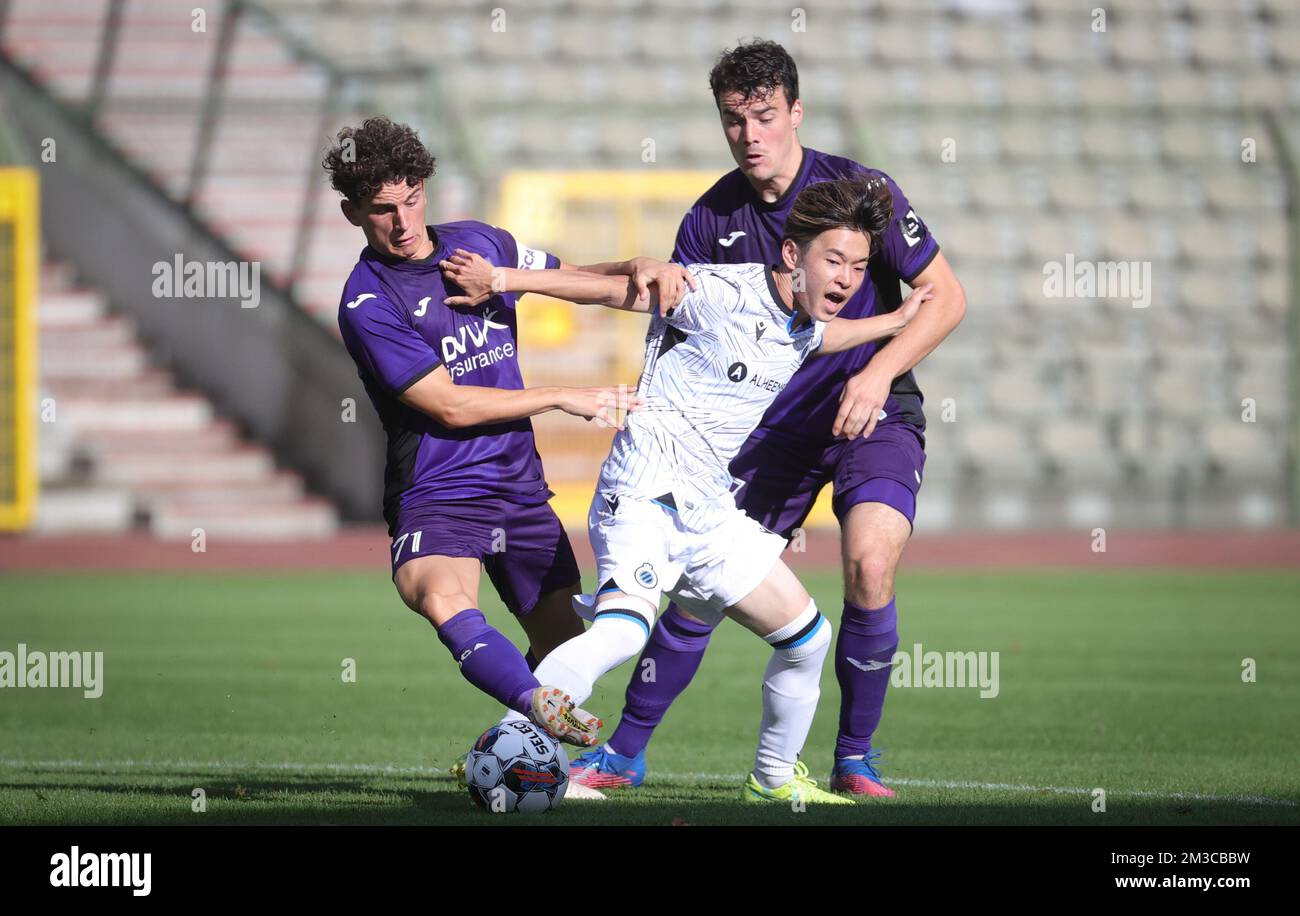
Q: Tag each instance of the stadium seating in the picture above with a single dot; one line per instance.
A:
(1122, 145)
(121, 445)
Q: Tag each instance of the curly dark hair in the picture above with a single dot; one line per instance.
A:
(381, 152)
(755, 69)
(861, 204)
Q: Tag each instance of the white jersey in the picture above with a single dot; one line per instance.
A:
(711, 371)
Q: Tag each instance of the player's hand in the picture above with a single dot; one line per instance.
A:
(474, 274)
(907, 311)
(672, 280)
(608, 406)
(861, 401)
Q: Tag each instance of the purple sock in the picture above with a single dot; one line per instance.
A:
(676, 647)
(867, 639)
(488, 660)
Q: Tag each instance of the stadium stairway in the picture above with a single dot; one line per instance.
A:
(121, 447)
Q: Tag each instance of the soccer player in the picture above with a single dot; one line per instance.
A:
(664, 518)
(854, 418)
(463, 484)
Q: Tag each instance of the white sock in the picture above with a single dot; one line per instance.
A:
(576, 665)
(791, 688)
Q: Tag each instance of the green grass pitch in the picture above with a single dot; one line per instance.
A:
(1128, 681)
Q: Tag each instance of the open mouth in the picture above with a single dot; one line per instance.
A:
(836, 298)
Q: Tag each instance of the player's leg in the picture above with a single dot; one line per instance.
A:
(534, 571)
(781, 611)
(632, 561)
(876, 488)
(444, 591)
(779, 490)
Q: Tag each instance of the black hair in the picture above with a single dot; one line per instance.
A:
(755, 69)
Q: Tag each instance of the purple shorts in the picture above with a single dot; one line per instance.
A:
(523, 548)
(784, 475)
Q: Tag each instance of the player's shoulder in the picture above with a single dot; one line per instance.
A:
(733, 275)
(472, 235)
(722, 196)
(736, 286)
(826, 167)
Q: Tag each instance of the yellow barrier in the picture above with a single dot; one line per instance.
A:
(19, 271)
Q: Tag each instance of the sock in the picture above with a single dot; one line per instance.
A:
(791, 687)
(867, 639)
(618, 633)
(675, 649)
(488, 660)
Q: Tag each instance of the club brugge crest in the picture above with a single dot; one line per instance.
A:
(645, 574)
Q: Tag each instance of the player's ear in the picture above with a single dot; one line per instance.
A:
(350, 211)
(796, 114)
(790, 253)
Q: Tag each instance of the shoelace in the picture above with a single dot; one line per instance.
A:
(801, 774)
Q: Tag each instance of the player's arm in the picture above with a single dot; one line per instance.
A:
(671, 280)
(388, 350)
(944, 311)
(456, 406)
(846, 333)
(480, 279)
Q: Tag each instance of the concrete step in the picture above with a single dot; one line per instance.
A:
(143, 470)
(120, 361)
(219, 435)
(151, 382)
(305, 519)
(178, 412)
(110, 331)
(278, 487)
(84, 510)
(70, 308)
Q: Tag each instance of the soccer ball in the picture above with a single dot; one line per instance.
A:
(515, 766)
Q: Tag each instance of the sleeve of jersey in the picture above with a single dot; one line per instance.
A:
(692, 242)
(704, 307)
(384, 345)
(907, 245)
(521, 256)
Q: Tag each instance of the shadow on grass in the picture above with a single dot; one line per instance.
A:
(313, 800)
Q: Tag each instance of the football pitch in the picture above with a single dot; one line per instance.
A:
(1126, 682)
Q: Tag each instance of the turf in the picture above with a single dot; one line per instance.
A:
(1128, 682)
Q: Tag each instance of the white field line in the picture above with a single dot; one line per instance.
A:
(180, 767)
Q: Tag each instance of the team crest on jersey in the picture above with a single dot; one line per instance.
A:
(737, 372)
(645, 575)
(911, 227)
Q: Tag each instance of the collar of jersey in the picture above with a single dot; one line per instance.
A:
(791, 314)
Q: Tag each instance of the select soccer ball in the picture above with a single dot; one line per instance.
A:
(515, 766)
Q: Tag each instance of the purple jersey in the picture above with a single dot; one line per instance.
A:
(398, 330)
(731, 224)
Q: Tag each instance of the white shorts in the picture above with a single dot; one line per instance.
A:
(705, 555)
